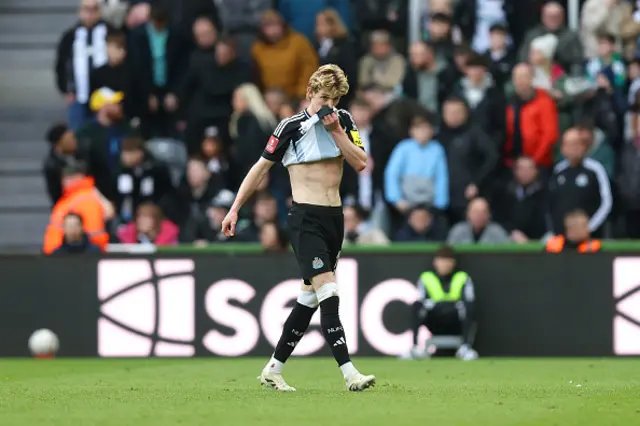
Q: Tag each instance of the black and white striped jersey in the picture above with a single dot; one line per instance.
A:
(295, 142)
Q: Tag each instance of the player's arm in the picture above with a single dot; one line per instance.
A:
(348, 140)
(251, 182)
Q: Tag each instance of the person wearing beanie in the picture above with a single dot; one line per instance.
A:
(551, 77)
(541, 55)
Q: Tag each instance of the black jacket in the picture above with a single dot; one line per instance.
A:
(208, 87)
(185, 12)
(175, 56)
(192, 207)
(490, 113)
(119, 78)
(472, 158)
(249, 143)
(101, 147)
(523, 208)
(585, 187)
(150, 181)
(374, 15)
(65, 80)
(501, 68)
(437, 232)
(344, 53)
(80, 247)
(52, 171)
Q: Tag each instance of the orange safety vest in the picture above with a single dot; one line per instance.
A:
(82, 199)
(556, 245)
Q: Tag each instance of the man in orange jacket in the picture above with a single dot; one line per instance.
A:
(80, 197)
(577, 236)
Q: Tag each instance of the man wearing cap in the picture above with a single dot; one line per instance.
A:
(500, 56)
(80, 197)
(445, 305)
(101, 138)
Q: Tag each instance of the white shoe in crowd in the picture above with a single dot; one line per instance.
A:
(275, 381)
(466, 353)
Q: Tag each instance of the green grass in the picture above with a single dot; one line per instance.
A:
(219, 392)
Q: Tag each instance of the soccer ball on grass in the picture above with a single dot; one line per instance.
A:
(43, 343)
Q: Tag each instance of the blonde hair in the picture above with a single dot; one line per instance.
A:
(329, 79)
(333, 18)
(257, 106)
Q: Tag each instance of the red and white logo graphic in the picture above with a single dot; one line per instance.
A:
(147, 308)
(626, 291)
(272, 144)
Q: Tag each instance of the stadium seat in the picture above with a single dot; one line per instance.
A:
(172, 152)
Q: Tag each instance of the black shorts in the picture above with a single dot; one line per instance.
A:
(317, 233)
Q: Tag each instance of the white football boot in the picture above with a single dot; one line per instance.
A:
(466, 353)
(274, 381)
(358, 382)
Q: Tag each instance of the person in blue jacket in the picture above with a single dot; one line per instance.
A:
(417, 172)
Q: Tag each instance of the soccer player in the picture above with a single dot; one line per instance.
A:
(313, 149)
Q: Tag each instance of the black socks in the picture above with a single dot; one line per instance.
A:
(294, 328)
(332, 329)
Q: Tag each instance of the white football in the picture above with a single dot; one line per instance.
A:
(43, 342)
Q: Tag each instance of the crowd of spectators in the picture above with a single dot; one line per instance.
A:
(486, 121)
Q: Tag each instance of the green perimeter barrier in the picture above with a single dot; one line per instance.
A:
(398, 248)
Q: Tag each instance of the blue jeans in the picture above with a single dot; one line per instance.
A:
(77, 115)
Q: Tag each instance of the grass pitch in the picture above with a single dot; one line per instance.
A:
(212, 392)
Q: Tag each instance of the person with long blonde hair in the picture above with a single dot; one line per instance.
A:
(251, 123)
(313, 144)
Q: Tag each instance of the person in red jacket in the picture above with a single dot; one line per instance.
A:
(532, 121)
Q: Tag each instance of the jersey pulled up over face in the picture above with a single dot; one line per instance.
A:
(294, 142)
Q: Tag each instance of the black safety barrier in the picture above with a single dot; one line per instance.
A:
(214, 305)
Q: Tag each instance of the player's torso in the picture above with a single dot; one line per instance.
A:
(318, 182)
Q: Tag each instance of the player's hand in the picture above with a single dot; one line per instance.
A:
(331, 122)
(229, 224)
